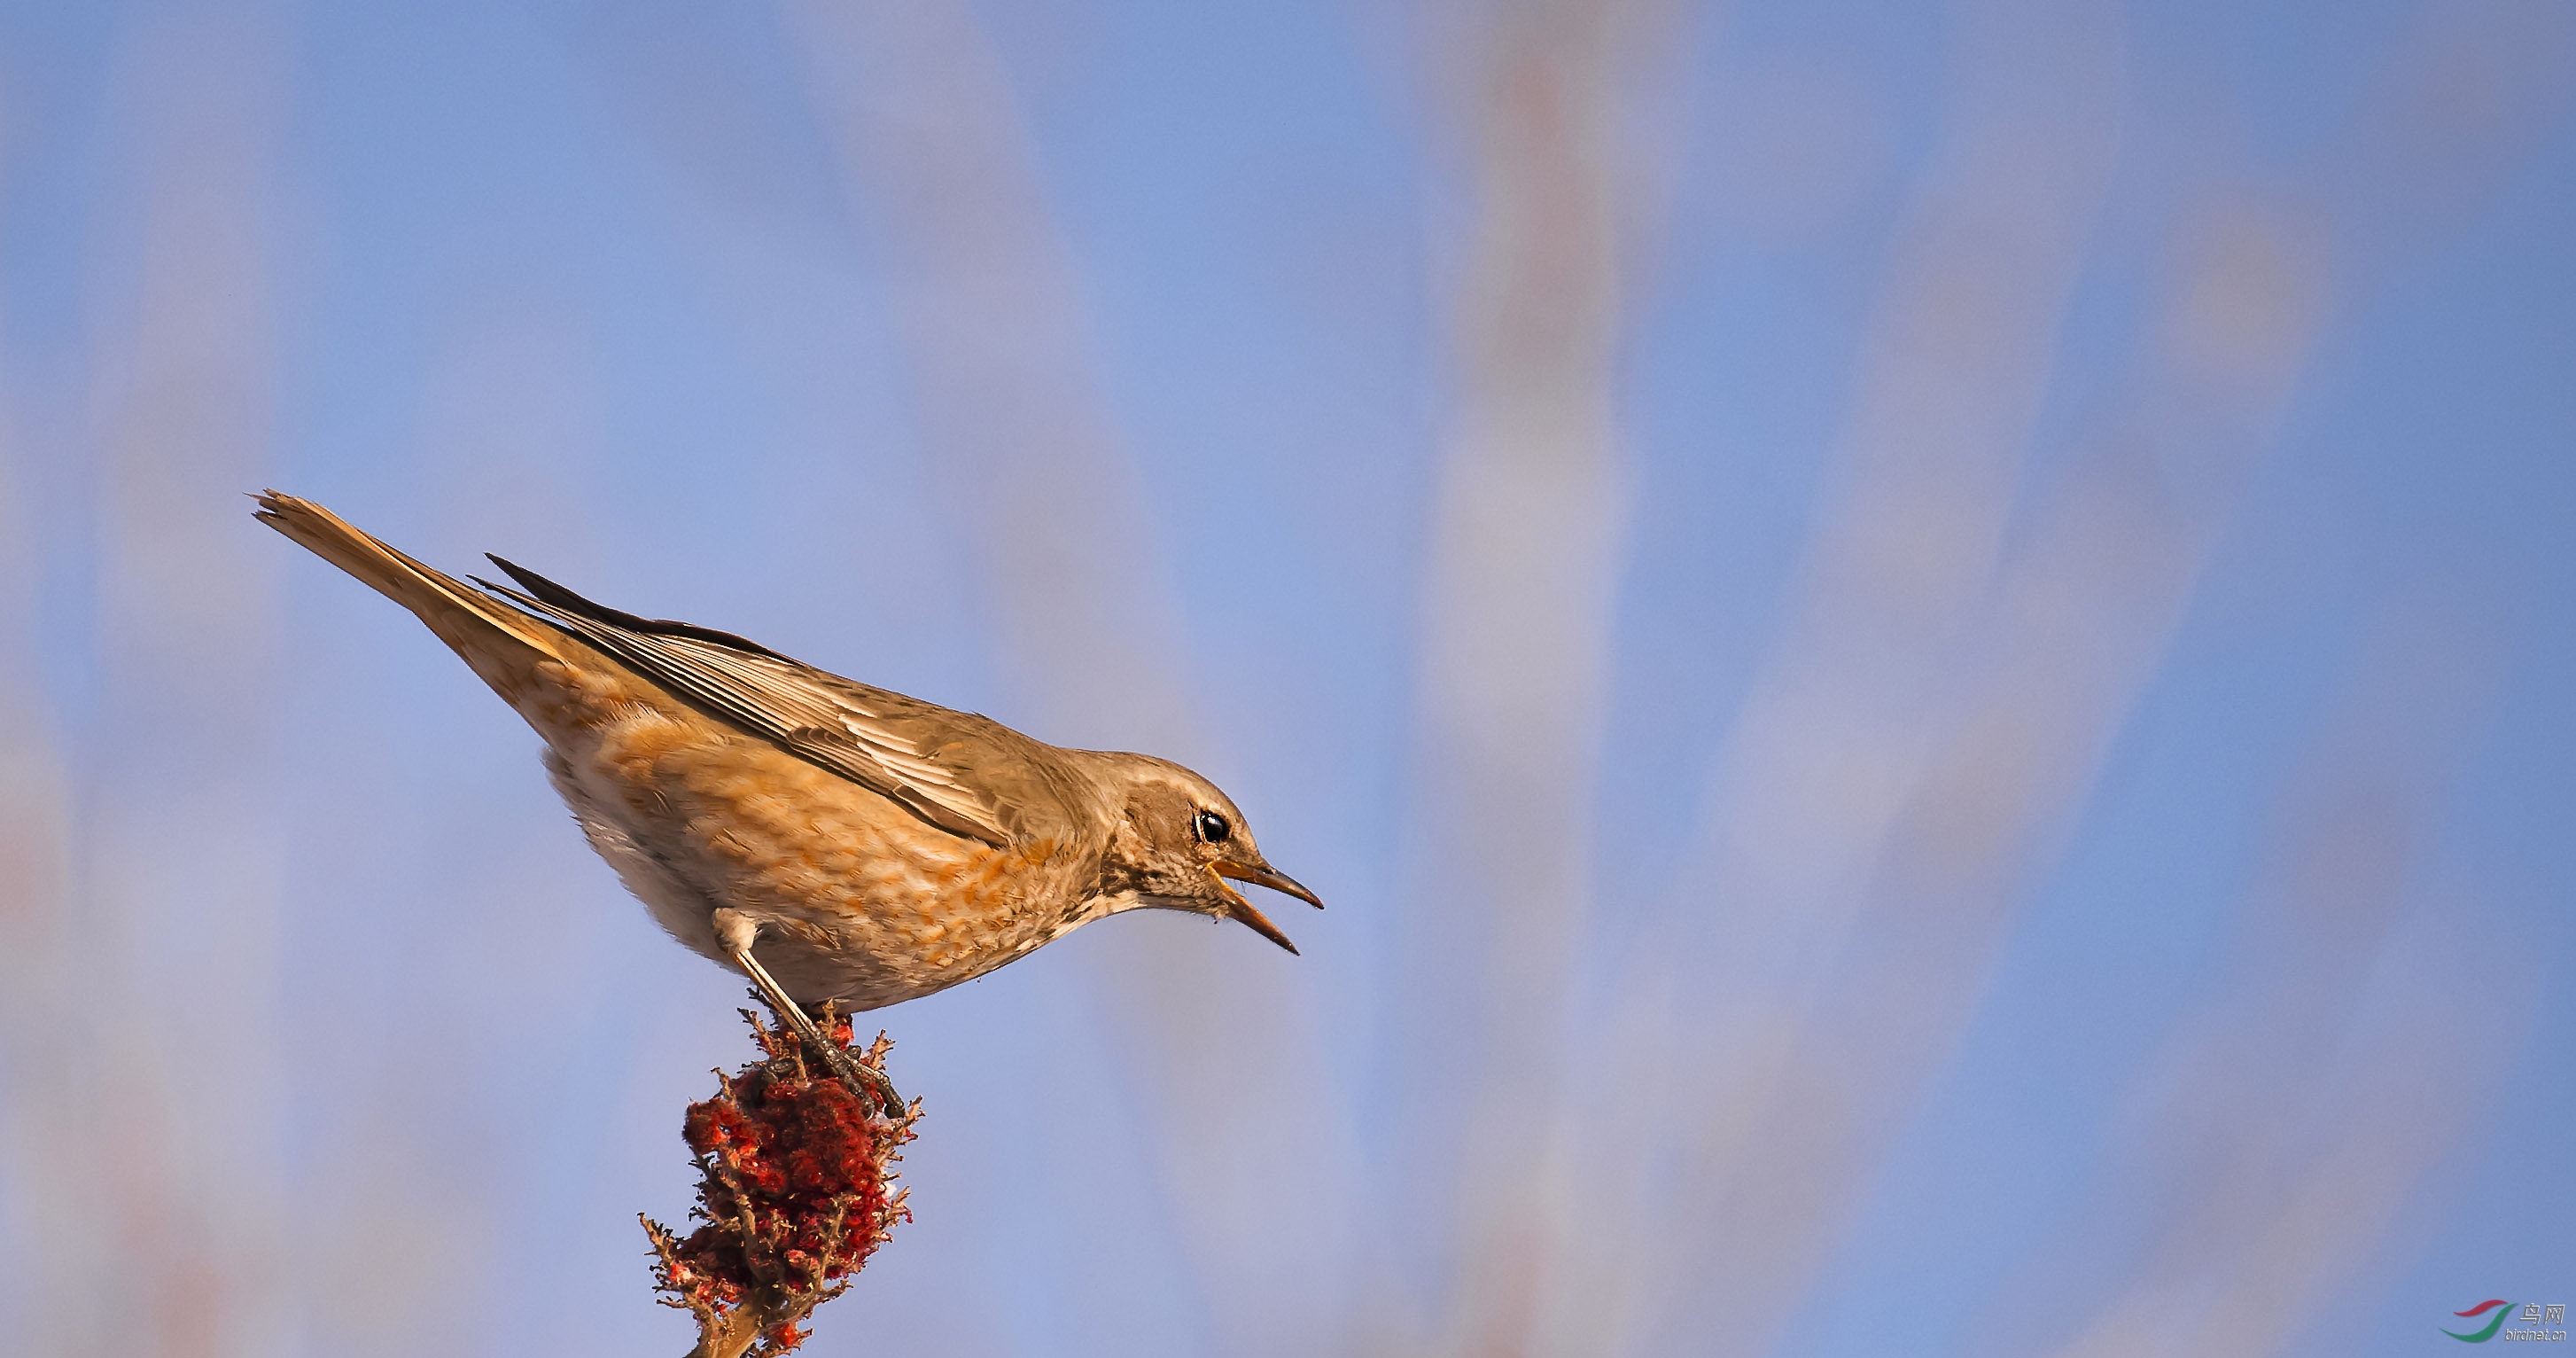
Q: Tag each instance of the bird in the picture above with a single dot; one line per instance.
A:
(832, 841)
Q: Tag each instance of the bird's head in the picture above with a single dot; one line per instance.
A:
(1175, 840)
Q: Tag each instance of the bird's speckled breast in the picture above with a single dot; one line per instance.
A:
(860, 901)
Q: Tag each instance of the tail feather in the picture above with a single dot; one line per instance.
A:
(499, 641)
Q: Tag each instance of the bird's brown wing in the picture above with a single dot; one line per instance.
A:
(966, 774)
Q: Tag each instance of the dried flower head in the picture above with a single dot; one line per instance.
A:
(794, 1193)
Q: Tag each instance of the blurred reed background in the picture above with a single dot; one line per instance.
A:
(1924, 651)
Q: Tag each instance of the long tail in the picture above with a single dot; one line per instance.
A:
(500, 642)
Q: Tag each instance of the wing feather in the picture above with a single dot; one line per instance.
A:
(916, 753)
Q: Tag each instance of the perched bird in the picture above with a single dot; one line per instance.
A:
(830, 840)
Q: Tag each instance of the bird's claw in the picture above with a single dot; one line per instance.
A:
(863, 1080)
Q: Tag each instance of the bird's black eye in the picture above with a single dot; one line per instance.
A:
(1212, 827)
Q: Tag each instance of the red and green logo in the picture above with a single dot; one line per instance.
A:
(2501, 1309)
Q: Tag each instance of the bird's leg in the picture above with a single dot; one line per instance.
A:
(736, 931)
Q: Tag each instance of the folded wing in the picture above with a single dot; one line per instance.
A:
(938, 763)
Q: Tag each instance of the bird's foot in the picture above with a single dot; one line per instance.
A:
(737, 931)
(864, 1080)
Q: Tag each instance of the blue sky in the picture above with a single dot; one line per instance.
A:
(1923, 651)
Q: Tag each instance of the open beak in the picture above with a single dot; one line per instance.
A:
(1259, 874)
